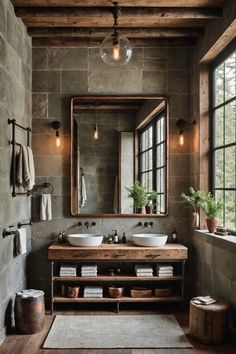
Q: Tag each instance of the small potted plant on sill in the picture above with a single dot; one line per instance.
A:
(212, 209)
(194, 200)
(151, 202)
(139, 195)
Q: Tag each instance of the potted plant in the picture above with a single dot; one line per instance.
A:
(212, 209)
(194, 200)
(151, 202)
(139, 195)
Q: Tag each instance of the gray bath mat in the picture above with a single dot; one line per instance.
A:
(145, 331)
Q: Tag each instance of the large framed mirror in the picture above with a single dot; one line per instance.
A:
(119, 156)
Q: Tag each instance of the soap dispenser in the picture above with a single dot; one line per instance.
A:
(115, 237)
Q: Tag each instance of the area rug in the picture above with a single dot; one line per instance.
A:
(97, 332)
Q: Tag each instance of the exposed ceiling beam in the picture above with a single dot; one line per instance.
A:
(128, 32)
(135, 17)
(127, 3)
(136, 42)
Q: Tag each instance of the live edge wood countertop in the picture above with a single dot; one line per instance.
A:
(117, 251)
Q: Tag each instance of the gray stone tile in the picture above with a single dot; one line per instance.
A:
(120, 82)
(39, 58)
(178, 58)
(3, 52)
(46, 81)
(39, 105)
(155, 82)
(74, 82)
(96, 63)
(68, 58)
(178, 81)
(3, 18)
(155, 59)
(58, 105)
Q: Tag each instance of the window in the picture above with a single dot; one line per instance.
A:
(223, 140)
(152, 158)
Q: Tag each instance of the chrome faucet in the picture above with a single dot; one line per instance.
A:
(148, 224)
(89, 225)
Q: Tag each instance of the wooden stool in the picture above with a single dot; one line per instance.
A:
(29, 311)
(209, 323)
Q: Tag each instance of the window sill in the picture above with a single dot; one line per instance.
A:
(226, 242)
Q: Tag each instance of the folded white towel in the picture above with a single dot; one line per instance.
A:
(144, 274)
(21, 241)
(93, 295)
(46, 207)
(93, 289)
(89, 267)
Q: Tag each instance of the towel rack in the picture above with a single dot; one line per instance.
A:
(43, 185)
(14, 143)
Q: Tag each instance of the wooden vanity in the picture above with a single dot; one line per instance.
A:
(113, 254)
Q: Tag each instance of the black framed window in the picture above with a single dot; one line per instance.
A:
(223, 142)
(152, 159)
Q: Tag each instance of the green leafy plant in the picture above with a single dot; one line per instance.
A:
(211, 207)
(151, 198)
(138, 193)
(195, 199)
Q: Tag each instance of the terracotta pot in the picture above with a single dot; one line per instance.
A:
(148, 209)
(212, 225)
(140, 210)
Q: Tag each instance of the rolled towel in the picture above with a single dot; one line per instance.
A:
(46, 207)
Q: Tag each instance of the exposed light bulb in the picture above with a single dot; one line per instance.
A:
(181, 138)
(95, 136)
(116, 52)
(58, 140)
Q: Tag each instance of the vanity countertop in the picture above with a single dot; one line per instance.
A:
(117, 251)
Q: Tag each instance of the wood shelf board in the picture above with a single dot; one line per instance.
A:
(129, 251)
(117, 278)
(115, 300)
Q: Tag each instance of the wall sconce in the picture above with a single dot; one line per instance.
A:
(182, 125)
(56, 125)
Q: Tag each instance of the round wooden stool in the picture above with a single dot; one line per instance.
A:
(29, 311)
(209, 323)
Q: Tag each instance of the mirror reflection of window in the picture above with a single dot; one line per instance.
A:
(152, 161)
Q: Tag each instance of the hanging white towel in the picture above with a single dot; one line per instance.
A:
(25, 173)
(115, 199)
(46, 207)
(83, 191)
(21, 241)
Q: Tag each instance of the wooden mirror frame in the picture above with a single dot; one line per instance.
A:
(72, 154)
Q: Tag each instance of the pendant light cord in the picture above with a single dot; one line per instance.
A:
(115, 12)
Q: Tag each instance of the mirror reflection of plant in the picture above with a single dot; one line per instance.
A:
(152, 198)
(138, 193)
(195, 199)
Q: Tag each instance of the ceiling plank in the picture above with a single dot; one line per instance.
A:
(127, 3)
(104, 32)
(86, 42)
(136, 17)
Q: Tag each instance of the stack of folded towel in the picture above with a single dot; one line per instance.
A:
(143, 270)
(164, 271)
(89, 270)
(93, 291)
(68, 270)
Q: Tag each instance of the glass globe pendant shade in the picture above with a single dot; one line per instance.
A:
(115, 52)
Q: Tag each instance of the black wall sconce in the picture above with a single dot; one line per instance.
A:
(57, 125)
(182, 125)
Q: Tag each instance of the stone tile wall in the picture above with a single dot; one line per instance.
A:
(61, 73)
(15, 102)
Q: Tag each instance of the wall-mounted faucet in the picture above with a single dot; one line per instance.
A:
(148, 224)
(89, 225)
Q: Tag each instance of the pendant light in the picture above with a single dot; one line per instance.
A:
(115, 49)
(95, 133)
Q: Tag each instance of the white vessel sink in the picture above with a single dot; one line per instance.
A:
(85, 240)
(150, 240)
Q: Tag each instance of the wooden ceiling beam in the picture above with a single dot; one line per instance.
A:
(136, 17)
(128, 32)
(87, 42)
(127, 3)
